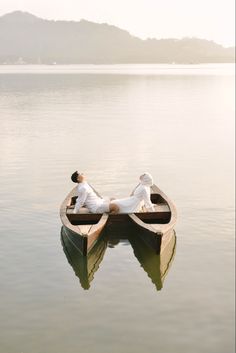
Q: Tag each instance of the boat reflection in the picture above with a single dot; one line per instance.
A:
(117, 235)
(84, 266)
(155, 265)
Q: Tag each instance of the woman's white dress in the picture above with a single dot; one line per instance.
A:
(140, 197)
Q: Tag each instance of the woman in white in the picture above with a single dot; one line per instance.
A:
(139, 197)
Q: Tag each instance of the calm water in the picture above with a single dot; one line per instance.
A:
(113, 123)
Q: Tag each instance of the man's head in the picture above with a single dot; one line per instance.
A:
(77, 177)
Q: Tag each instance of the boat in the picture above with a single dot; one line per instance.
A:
(83, 266)
(85, 228)
(155, 265)
(156, 227)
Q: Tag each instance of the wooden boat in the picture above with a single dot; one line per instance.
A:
(83, 266)
(155, 265)
(83, 229)
(154, 228)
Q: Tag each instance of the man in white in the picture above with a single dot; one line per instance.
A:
(88, 198)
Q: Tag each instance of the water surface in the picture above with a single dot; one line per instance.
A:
(114, 123)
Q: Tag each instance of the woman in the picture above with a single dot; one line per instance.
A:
(140, 196)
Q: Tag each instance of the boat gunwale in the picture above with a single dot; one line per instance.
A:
(159, 229)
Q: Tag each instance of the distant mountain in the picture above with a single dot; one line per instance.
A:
(25, 38)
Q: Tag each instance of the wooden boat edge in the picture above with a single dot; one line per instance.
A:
(158, 229)
(88, 239)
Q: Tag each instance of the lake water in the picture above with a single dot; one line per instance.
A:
(114, 123)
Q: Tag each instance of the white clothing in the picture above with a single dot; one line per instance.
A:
(140, 196)
(88, 198)
(146, 179)
(104, 207)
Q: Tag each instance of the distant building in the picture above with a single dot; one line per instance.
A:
(20, 61)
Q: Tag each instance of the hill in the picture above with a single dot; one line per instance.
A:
(25, 38)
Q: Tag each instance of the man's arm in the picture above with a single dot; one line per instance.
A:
(80, 200)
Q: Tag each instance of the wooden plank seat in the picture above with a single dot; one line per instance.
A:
(162, 214)
(82, 210)
(161, 207)
(154, 217)
(158, 208)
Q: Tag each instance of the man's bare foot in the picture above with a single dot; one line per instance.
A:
(114, 209)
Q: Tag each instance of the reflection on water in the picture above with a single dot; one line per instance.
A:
(84, 266)
(156, 266)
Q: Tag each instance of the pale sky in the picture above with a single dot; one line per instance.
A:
(208, 19)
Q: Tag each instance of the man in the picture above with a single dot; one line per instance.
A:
(88, 198)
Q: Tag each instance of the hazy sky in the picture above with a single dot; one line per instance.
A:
(209, 19)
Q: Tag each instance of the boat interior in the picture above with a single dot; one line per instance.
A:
(161, 215)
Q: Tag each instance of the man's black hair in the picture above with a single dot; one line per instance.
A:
(74, 177)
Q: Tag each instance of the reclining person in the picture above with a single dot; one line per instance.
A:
(89, 199)
(140, 196)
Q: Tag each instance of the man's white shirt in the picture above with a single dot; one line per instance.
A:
(88, 198)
